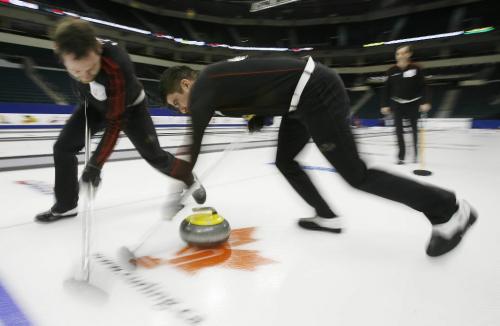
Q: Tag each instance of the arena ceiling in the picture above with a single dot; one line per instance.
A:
(297, 10)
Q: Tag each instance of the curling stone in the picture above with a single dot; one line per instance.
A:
(205, 228)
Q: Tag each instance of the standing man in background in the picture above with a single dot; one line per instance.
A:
(406, 96)
(111, 99)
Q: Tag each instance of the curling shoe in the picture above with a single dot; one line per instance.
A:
(446, 236)
(52, 215)
(318, 223)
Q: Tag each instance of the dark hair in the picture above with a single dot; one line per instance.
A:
(75, 36)
(410, 48)
(170, 80)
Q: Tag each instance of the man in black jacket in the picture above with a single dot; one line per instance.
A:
(112, 99)
(406, 95)
(312, 101)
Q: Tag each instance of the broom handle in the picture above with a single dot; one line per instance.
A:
(229, 149)
(421, 143)
(87, 217)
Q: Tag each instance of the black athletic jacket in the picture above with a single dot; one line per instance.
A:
(113, 92)
(252, 86)
(406, 84)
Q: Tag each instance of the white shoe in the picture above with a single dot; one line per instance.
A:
(321, 224)
(447, 236)
(456, 223)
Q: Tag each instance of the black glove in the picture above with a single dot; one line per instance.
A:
(255, 123)
(92, 174)
(268, 121)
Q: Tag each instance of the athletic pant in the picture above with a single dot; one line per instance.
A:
(324, 115)
(406, 111)
(139, 128)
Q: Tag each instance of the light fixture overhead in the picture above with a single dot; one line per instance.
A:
(60, 12)
(434, 36)
(266, 4)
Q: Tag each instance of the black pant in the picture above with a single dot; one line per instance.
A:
(137, 125)
(406, 111)
(328, 125)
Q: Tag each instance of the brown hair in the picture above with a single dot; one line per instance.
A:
(170, 80)
(75, 36)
